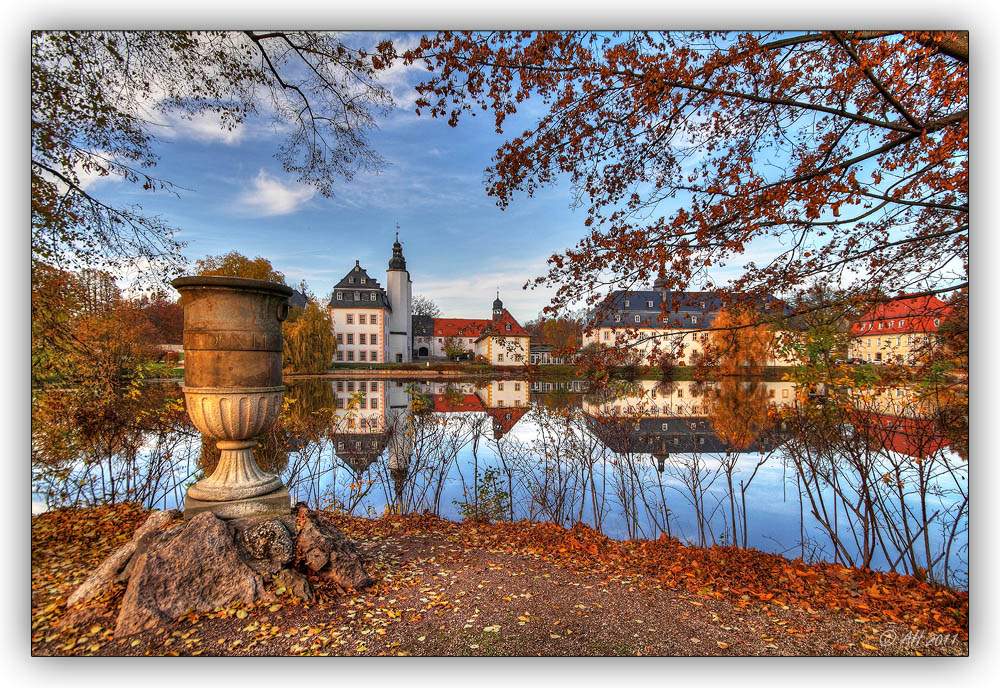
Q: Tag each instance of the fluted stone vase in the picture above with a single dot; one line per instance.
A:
(232, 388)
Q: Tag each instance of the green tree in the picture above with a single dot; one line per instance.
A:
(453, 348)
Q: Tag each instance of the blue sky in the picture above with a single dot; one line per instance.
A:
(458, 244)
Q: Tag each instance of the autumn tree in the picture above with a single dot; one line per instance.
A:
(839, 155)
(739, 343)
(235, 264)
(99, 98)
(424, 306)
(453, 348)
(308, 341)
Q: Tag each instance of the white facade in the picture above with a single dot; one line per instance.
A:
(400, 288)
(362, 334)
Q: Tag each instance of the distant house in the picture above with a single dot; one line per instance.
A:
(500, 340)
(541, 354)
(898, 331)
(675, 322)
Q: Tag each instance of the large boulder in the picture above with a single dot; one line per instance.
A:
(194, 568)
(321, 548)
(113, 569)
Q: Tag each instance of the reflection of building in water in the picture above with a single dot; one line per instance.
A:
(651, 398)
(650, 419)
(360, 431)
(672, 321)
(545, 386)
(914, 437)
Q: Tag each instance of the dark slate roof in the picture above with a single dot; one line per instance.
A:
(297, 299)
(423, 326)
(692, 310)
(358, 282)
(360, 449)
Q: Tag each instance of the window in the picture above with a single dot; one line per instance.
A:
(649, 304)
(439, 339)
(880, 325)
(680, 392)
(350, 319)
(374, 318)
(637, 318)
(500, 403)
(902, 322)
(340, 355)
(607, 334)
(626, 304)
(340, 402)
(361, 386)
(361, 338)
(357, 296)
(517, 386)
(500, 386)
(618, 318)
(361, 355)
(374, 403)
(350, 355)
(499, 357)
(517, 402)
(340, 296)
(364, 280)
(350, 338)
(351, 280)
(373, 339)
(373, 356)
(937, 321)
(694, 319)
(340, 338)
(784, 394)
(362, 318)
(663, 427)
(703, 304)
(770, 393)
(899, 341)
(350, 385)
(470, 340)
(373, 386)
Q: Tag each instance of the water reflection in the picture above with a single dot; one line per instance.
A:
(750, 463)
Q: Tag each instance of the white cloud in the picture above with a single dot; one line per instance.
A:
(205, 127)
(268, 195)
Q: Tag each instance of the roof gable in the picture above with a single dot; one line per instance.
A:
(503, 326)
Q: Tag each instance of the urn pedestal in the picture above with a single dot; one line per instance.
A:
(232, 388)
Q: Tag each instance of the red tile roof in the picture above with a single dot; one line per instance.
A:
(454, 404)
(459, 327)
(505, 418)
(905, 315)
(915, 437)
(499, 326)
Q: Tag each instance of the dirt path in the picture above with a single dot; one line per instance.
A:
(437, 595)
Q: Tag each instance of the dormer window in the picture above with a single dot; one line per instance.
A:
(694, 319)
(626, 304)
(507, 327)
(902, 322)
(351, 280)
(618, 318)
(637, 318)
(649, 304)
(364, 280)
(373, 296)
(340, 296)
(357, 296)
(703, 305)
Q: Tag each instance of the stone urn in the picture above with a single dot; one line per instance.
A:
(232, 388)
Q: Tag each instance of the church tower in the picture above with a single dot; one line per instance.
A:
(399, 287)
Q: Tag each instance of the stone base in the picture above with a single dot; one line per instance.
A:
(277, 503)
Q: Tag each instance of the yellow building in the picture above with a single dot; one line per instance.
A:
(897, 332)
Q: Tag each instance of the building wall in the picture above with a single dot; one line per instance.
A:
(503, 351)
(505, 394)
(680, 343)
(348, 334)
(368, 414)
(650, 399)
(903, 348)
(398, 287)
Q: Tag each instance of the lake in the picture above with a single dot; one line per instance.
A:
(752, 463)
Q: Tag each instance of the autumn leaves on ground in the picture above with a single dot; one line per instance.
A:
(445, 588)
